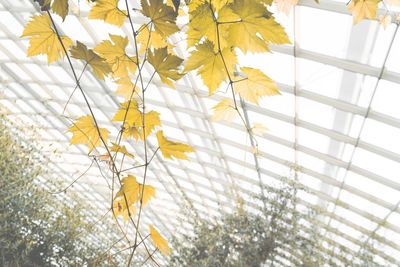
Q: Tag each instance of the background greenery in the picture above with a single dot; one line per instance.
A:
(247, 238)
(36, 228)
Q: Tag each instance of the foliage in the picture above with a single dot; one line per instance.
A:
(259, 238)
(35, 228)
(216, 32)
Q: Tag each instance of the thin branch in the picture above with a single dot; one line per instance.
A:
(74, 181)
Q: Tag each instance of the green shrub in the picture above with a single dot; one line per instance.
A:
(36, 228)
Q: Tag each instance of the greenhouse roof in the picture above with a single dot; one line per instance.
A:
(335, 126)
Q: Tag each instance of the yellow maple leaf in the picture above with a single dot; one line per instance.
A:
(255, 86)
(126, 198)
(172, 149)
(129, 187)
(219, 4)
(60, 7)
(148, 192)
(133, 120)
(43, 39)
(210, 66)
(202, 24)
(162, 16)
(135, 130)
(166, 65)
(147, 40)
(128, 112)
(159, 241)
(224, 110)
(126, 88)
(115, 55)
(363, 9)
(85, 132)
(99, 65)
(257, 28)
(130, 195)
(121, 149)
(108, 11)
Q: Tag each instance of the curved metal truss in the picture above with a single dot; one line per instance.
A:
(336, 126)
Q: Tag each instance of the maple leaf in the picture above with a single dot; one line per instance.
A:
(129, 187)
(126, 87)
(108, 11)
(219, 4)
(224, 110)
(255, 86)
(121, 149)
(210, 66)
(159, 241)
(148, 192)
(131, 193)
(363, 9)
(257, 27)
(166, 65)
(203, 24)
(99, 65)
(60, 7)
(115, 55)
(162, 16)
(43, 39)
(120, 208)
(171, 149)
(85, 132)
(285, 6)
(134, 120)
(126, 198)
(128, 112)
(149, 40)
(151, 120)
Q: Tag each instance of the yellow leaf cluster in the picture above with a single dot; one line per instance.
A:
(85, 132)
(43, 39)
(159, 242)
(245, 24)
(171, 149)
